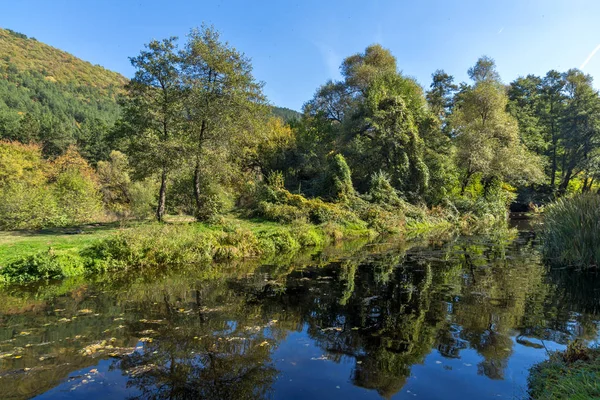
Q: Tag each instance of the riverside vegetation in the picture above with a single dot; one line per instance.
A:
(192, 134)
(88, 158)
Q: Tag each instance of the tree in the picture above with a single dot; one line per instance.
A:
(153, 114)
(441, 94)
(375, 117)
(581, 128)
(487, 137)
(223, 99)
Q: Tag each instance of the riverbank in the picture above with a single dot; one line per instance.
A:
(59, 253)
(572, 374)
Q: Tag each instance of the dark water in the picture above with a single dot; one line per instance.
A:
(458, 319)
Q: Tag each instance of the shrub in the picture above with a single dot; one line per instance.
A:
(43, 265)
(571, 233)
(381, 190)
(37, 193)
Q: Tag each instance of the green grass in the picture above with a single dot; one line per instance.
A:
(59, 253)
(17, 244)
(572, 374)
(97, 248)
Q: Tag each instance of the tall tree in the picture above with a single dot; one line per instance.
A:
(375, 117)
(581, 128)
(153, 114)
(552, 98)
(441, 94)
(487, 137)
(223, 102)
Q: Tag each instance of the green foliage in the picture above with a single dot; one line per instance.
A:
(43, 265)
(572, 374)
(488, 140)
(39, 193)
(170, 245)
(559, 119)
(571, 233)
(337, 184)
(49, 96)
(381, 190)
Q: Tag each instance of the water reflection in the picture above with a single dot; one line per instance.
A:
(356, 321)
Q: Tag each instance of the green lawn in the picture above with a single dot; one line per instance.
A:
(17, 244)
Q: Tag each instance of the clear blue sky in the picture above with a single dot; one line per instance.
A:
(295, 46)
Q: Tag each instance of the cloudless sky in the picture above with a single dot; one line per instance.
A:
(295, 46)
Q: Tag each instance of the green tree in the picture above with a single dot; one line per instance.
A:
(441, 94)
(222, 103)
(153, 114)
(487, 137)
(581, 128)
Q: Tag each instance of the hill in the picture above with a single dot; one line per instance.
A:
(285, 114)
(50, 96)
(54, 98)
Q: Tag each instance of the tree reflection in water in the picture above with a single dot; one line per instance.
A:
(213, 335)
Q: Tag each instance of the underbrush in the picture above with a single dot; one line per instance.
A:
(164, 245)
(572, 374)
(43, 265)
(366, 215)
(571, 233)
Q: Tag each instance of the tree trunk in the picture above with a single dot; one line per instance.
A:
(562, 189)
(162, 196)
(553, 174)
(197, 189)
(464, 184)
(197, 172)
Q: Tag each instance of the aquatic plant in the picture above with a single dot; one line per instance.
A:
(571, 233)
(572, 374)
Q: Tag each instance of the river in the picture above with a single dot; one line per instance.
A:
(445, 318)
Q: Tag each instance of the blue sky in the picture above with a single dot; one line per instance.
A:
(295, 46)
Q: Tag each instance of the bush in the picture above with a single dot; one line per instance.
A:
(381, 190)
(43, 265)
(37, 193)
(571, 233)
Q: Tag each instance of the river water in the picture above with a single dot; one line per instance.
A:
(460, 318)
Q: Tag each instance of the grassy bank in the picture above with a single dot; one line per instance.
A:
(572, 374)
(60, 253)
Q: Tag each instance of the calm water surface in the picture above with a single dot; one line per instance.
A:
(456, 319)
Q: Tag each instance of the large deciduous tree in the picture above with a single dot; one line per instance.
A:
(223, 102)
(153, 114)
(487, 137)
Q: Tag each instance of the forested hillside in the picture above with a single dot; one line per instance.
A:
(286, 114)
(52, 97)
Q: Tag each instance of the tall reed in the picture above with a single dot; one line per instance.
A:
(571, 233)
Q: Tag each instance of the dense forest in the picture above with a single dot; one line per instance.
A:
(192, 133)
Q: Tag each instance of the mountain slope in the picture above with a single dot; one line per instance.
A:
(52, 97)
